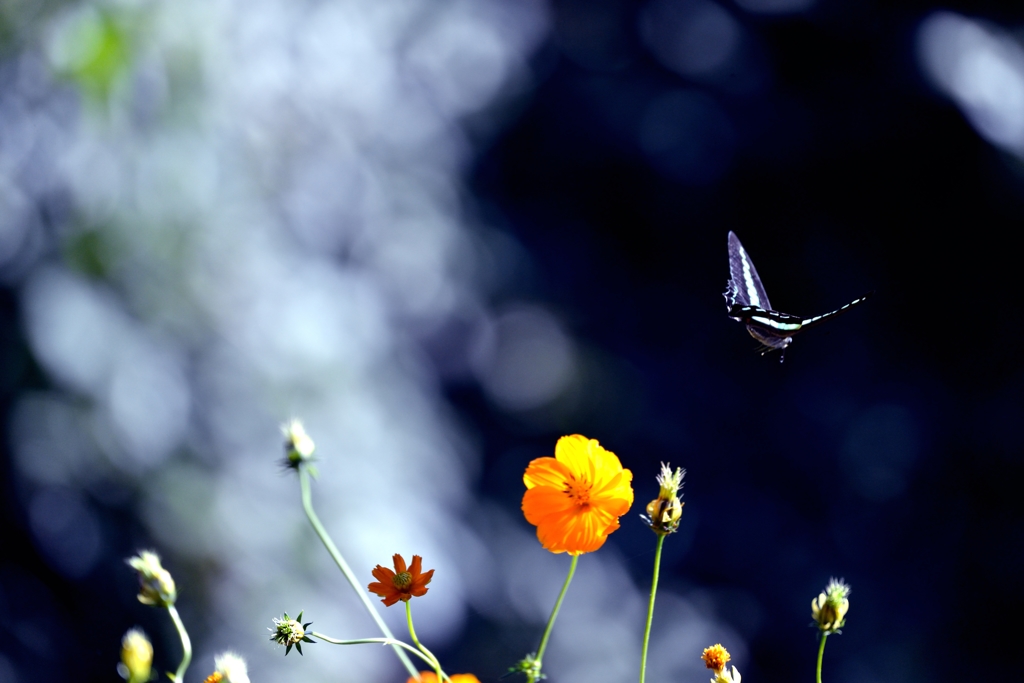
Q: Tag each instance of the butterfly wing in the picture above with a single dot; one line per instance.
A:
(744, 287)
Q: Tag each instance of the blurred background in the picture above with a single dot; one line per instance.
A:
(445, 233)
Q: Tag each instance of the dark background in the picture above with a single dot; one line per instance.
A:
(886, 449)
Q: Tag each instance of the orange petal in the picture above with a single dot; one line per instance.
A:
(426, 677)
(383, 574)
(417, 566)
(431, 677)
(614, 507)
(615, 502)
(543, 502)
(546, 472)
(424, 578)
(379, 588)
(399, 563)
(582, 532)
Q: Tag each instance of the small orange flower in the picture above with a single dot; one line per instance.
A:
(575, 499)
(431, 677)
(402, 583)
(715, 657)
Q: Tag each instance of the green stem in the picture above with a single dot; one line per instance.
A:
(650, 607)
(364, 641)
(307, 504)
(412, 632)
(186, 645)
(821, 653)
(551, 620)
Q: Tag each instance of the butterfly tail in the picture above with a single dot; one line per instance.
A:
(818, 319)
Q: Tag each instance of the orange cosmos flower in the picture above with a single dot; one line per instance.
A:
(431, 677)
(402, 583)
(575, 499)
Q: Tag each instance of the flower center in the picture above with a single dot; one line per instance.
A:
(579, 491)
(715, 658)
(402, 580)
(288, 631)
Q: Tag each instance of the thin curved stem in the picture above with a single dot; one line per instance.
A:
(369, 641)
(186, 644)
(650, 608)
(307, 505)
(821, 654)
(551, 620)
(412, 632)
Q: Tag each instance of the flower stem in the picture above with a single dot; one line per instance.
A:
(364, 641)
(186, 645)
(551, 620)
(307, 505)
(412, 632)
(821, 653)
(650, 607)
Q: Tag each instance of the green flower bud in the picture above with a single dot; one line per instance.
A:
(298, 447)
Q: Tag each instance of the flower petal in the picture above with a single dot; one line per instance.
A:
(383, 574)
(617, 497)
(380, 589)
(611, 478)
(583, 532)
(543, 502)
(423, 579)
(546, 472)
(425, 677)
(399, 563)
(575, 453)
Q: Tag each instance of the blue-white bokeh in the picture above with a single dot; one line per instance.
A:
(259, 214)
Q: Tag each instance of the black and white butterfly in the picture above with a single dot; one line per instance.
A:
(748, 304)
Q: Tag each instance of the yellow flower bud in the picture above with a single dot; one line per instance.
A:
(156, 586)
(136, 657)
(664, 512)
(830, 607)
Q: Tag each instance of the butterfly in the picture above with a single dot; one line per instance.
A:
(748, 304)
